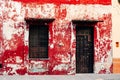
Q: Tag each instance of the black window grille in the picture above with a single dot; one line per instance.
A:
(38, 41)
(38, 37)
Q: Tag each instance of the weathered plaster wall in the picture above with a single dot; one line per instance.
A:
(115, 35)
(14, 37)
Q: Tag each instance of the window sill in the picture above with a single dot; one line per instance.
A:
(44, 59)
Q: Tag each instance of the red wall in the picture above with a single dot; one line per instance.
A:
(105, 2)
(14, 35)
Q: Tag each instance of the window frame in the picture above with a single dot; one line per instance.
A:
(40, 23)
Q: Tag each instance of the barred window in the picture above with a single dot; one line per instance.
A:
(38, 41)
(38, 37)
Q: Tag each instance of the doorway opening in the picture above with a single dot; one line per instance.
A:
(85, 45)
(84, 49)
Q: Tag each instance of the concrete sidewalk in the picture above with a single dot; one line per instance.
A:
(64, 77)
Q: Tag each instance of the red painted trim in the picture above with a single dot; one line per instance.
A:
(105, 2)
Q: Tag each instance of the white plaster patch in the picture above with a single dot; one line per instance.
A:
(1, 48)
(17, 7)
(97, 67)
(36, 62)
(73, 38)
(47, 10)
(61, 67)
(35, 68)
(8, 33)
(26, 36)
(38, 66)
(101, 66)
(51, 45)
(43, 11)
(18, 59)
(72, 57)
(8, 29)
(83, 12)
(2, 4)
(18, 31)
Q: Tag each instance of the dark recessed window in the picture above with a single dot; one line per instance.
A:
(38, 37)
(38, 41)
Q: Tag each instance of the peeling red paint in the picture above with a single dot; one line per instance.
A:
(102, 71)
(104, 32)
(14, 48)
(22, 71)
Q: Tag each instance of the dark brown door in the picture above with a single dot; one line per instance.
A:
(84, 49)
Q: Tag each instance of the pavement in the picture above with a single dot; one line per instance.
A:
(63, 77)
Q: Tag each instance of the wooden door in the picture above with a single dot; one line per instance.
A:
(84, 49)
